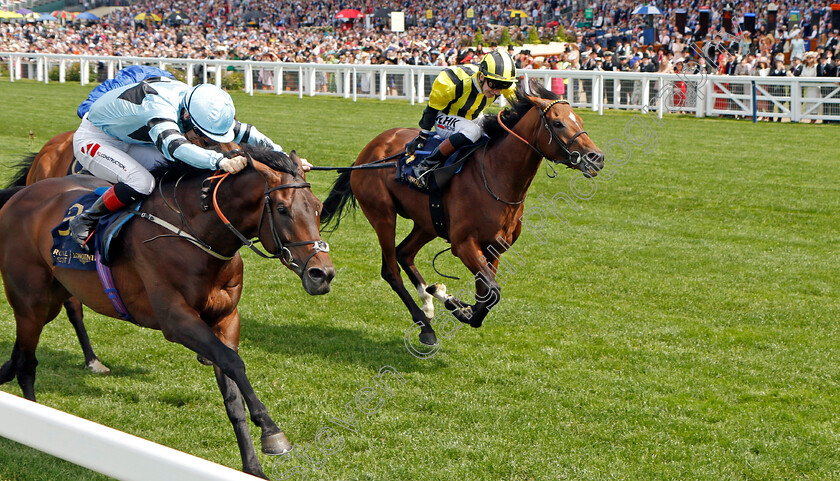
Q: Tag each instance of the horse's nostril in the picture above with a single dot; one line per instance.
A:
(316, 273)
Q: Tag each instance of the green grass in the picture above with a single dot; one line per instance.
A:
(681, 325)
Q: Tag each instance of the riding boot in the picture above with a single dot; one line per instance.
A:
(440, 154)
(83, 224)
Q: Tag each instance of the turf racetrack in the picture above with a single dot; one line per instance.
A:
(681, 325)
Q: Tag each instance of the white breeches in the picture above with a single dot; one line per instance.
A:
(448, 125)
(113, 160)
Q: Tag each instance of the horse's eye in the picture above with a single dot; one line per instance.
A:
(283, 210)
(557, 124)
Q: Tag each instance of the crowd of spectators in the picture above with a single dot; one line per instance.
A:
(604, 35)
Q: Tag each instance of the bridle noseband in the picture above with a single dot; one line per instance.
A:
(284, 253)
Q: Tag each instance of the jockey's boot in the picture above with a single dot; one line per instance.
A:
(83, 224)
(440, 154)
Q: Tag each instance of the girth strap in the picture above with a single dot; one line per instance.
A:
(438, 217)
(110, 289)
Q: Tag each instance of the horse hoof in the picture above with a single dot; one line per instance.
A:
(97, 367)
(428, 338)
(275, 444)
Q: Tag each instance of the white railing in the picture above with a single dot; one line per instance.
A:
(102, 449)
(796, 98)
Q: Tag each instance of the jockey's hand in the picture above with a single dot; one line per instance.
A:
(234, 164)
(305, 164)
(418, 142)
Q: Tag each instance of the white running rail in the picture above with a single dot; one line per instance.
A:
(102, 449)
(794, 98)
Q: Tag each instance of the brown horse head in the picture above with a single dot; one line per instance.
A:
(289, 226)
(561, 138)
(567, 142)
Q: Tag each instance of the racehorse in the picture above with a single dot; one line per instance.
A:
(186, 285)
(483, 204)
(55, 159)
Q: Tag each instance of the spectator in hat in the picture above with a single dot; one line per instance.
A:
(796, 67)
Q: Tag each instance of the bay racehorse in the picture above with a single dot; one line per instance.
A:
(55, 159)
(482, 204)
(187, 288)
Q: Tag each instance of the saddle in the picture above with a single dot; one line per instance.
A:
(442, 173)
(66, 253)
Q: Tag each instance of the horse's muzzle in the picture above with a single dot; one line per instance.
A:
(316, 280)
(591, 163)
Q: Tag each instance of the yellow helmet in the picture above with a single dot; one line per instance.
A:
(499, 66)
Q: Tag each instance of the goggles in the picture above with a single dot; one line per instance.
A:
(498, 84)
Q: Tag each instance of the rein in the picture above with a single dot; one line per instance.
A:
(284, 254)
(573, 158)
(379, 164)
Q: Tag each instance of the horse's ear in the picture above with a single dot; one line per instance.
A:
(539, 103)
(296, 159)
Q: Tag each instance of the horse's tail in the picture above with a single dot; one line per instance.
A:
(7, 194)
(337, 201)
(19, 179)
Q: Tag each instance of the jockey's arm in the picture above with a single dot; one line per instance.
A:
(167, 137)
(248, 134)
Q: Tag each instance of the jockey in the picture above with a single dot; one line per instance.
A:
(132, 129)
(458, 97)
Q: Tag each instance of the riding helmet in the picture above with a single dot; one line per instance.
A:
(498, 65)
(211, 111)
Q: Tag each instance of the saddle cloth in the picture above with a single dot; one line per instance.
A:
(443, 172)
(66, 253)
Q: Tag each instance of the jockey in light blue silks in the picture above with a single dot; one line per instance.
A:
(134, 128)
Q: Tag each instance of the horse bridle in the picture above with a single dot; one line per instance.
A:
(284, 253)
(573, 158)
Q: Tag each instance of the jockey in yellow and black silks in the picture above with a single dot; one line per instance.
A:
(459, 95)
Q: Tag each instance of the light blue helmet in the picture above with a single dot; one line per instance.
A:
(211, 111)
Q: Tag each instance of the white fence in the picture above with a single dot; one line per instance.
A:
(102, 449)
(794, 98)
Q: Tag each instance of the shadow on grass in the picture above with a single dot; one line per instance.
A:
(336, 344)
(64, 372)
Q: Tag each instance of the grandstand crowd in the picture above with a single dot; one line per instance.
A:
(603, 36)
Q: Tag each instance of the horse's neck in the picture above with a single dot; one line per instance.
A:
(514, 162)
(186, 199)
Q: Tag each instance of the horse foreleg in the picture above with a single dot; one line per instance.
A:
(190, 331)
(406, 252)
(487, 289)
(75, 315)
(235, 407)
(227, 330)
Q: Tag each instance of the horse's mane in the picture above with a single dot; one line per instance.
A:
(516, 111)
(279, 161)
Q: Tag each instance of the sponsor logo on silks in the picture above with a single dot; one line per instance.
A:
(90, 149)
(447, 123)
(112, 160)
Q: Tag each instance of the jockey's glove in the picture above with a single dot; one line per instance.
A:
(418, 142)
(233, 162)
